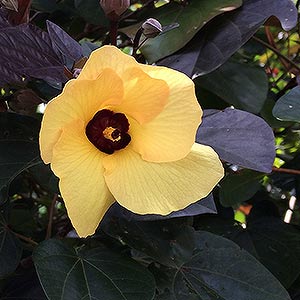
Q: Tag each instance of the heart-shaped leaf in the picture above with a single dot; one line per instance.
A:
(68, 273)
(219, 269)
(239, 137)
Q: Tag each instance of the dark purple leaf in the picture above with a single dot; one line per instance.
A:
(26, 51)
(3, 20)
(204, 206)
(239, 137)
(225, 34)
(63, 44)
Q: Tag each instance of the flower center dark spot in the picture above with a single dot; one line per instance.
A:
(107, 131)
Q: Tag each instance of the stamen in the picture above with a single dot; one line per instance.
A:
(112, 134)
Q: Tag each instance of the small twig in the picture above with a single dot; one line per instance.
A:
(114, 25)
(277, 52)
(51, 213)
(287, 171)
(25, 238)
(136, 41)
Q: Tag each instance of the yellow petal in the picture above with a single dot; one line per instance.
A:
(79, 100)
(107, 57)
(79, 166)
(161, 188)
(144, 96)
(170, 135)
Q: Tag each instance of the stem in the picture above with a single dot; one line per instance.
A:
(25, 238)
(136, 41)
(51, 213)
(277, 52)
(114, 25)
(287, 171)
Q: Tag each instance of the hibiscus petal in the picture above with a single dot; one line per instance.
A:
(107, 57)
(144, 96)
(170, 135)
(151, 188)
(79, 166)
(79, 100)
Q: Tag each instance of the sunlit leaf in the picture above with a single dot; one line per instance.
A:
(287, 108)
(191, 18)
(239, 137)
(225, 34)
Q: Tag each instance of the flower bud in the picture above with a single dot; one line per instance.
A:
(114, 8)
(151, 28)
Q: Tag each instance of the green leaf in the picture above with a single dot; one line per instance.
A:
(239, 187)
(226, 33)
(67, 273)
(235, 83)
(287, 108)
(190, 18)
(91, 11)
(219, 269)
(48, 6)
(10, 249)
(267, 114)
(19, 148)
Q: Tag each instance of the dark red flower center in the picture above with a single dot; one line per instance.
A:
(107, 131)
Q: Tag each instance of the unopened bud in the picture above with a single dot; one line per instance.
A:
(76, 72)
(151, 28)
(114, 8)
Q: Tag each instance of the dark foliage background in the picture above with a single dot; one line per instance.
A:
(240, 243)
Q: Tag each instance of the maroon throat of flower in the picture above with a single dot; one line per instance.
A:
(107, 131)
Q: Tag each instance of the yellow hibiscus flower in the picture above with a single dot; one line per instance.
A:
(125, 132)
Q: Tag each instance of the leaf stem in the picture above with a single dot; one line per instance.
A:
(51, 213)
(136, 41)
(276, 52)
(25, 238)
(287, 171)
